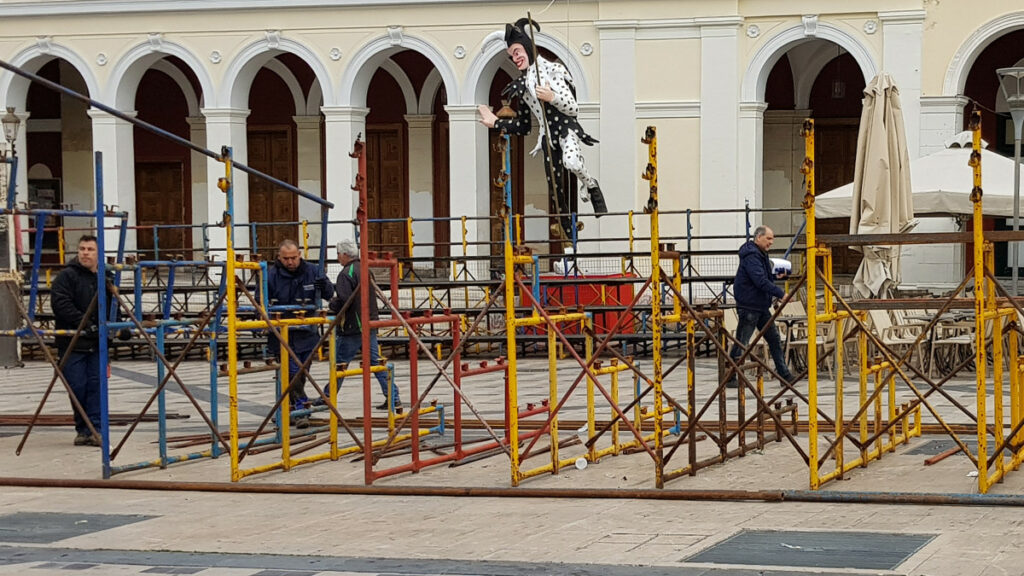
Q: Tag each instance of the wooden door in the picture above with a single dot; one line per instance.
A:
(835, 152)
(387, 188)
(270, 152)
(442, 195)
(160, 199)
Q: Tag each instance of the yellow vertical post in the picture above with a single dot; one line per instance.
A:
(997, 360)
(305, 239)
(553, 395)
(224, 184)
(588, 349)
(333, 392)
(878, 411)
(862, 349)
(1014, 386)
(510, 337)
(807, 169)
(286, 403)
(891, 383)
(615, 400)
(651, 175)
(980, 358)
(60, 243)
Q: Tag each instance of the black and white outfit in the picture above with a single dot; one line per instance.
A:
(562, 115)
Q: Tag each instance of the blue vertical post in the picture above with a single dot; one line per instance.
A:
(161, 402)
(156, 242)
(689, 252)
(746, 217)
(137, 292)
(101, 303)
(122, 239)
(214, 330)
(12, 180)
(37, 257)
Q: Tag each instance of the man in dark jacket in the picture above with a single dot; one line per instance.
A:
(292, 281)
(73, 292)
(754, 290)
(350, 331)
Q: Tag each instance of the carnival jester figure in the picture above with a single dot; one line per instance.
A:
(546, 92)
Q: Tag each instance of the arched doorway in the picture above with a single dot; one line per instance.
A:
(815, 79)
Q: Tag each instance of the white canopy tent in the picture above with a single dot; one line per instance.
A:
(941, 185)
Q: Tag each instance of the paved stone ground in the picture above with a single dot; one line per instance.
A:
(244, 533)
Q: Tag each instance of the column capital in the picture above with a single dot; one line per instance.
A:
(196, 122)
(753, 109)
(344, 113)
(307, 122)
(225, 114)
(419, 120)
(100, 116)
(462, 113)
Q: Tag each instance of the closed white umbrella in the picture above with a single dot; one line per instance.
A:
(881, 185)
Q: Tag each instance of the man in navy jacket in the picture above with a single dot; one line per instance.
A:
(754, 290)
(292, 281)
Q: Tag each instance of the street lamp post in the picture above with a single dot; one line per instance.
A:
(11, 123)
(1011, 80)
(9, 348)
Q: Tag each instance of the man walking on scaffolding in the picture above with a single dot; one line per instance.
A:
(546, 92)
(754, 291)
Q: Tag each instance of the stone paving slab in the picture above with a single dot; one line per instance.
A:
(620, 536)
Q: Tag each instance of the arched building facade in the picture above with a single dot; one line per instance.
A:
(289, 86)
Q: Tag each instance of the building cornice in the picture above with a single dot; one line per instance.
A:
(669, 109)
(83, 7)
(903, 16)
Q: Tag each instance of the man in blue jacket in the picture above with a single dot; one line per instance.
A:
(754, 290)
(291, 281)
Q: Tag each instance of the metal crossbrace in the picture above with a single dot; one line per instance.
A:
(303, 371)
(58, 367)
(171, 373)
(442, 373)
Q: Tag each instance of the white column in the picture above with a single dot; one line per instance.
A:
(617, 129)
(902, 42)
(115, 138)
(307, 143)
(342, 124)
(719, 111)
(941, 118)
(468, 174)
(227, 127)
(751, 152)
(421, 184)
(197, 185)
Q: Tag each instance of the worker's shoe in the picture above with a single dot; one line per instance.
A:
(87, 439)
(384, 406)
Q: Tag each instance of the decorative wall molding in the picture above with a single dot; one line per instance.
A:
(668, 109)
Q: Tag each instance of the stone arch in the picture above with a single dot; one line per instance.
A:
(175, 73)
(402, 79)
(290, 81)
(963, 60)
(242, 70)
(429, 92)
(486, 64)
(128, 72)
(315, 99)
(756, 76)
(810, 68)
(355, 81)
(14, 88)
